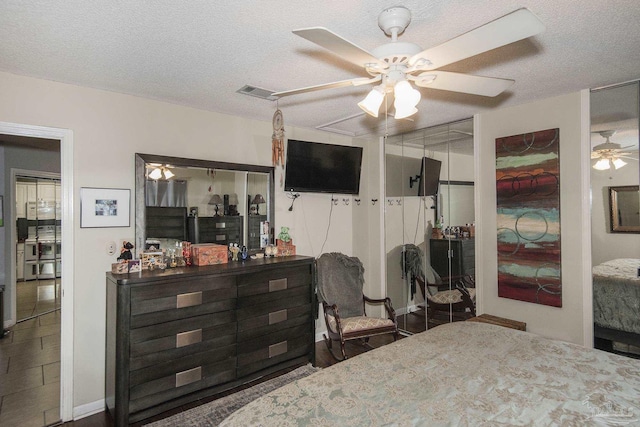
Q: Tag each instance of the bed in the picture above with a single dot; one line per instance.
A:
(616, 300)
(462, 373)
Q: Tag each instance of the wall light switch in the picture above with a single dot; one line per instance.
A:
(111, 248)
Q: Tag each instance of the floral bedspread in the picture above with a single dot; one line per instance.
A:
(460, 374)
(616, 295)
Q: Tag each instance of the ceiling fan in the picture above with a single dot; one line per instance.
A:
(609, 153)
(396, 64)
(157, 170)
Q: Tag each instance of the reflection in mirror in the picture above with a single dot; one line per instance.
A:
(615, 202)
(624, 209)
(410, 224)
(203, 202)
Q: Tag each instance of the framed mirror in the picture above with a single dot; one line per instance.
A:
(202, 201)
(624, 209)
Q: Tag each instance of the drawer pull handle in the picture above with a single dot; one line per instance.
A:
(277, 316)
(184, 339)
(277, 285)
(188, 376)
(188, 300)
(220, 237)
(221, 225)
(277, 349)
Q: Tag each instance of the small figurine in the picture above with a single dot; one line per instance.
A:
(125, 252)
(234, 251)
(284, 234)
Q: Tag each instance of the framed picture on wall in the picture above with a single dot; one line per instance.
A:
(104, 207)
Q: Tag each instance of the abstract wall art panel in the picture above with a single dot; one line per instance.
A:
(528, 217)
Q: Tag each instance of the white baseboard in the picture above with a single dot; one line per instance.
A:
(88, 409)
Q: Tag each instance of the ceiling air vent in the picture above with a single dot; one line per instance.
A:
(257, 92)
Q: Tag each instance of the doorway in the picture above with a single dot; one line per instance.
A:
(62, 395)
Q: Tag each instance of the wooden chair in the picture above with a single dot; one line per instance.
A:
(340, 282)
(456, 298)
(455, 294)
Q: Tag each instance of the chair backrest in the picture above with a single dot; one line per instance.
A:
(340, 282)
(414, 265)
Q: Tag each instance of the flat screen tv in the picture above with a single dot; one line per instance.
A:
(429, 177)
(313, 167)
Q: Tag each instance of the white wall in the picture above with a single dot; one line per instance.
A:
(606, 245)
(567, 113)
(108, 129)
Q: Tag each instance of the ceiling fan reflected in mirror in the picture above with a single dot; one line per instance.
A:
(394, 66)
(609, 153)
(157, 170)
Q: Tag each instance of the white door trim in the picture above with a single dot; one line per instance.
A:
(65, 136)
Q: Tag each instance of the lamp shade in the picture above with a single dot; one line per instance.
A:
(215, 200)
(406, 99)
(233, 199)
(155, 174)
(371, 104)
(168, 174)
(258, 199)
(618, 163)
(602, 164)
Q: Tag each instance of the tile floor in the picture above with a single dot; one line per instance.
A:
(30, 358)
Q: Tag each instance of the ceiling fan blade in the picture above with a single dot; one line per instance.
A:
(340, 46)
(342, 83)
(464, 83)
(510, 28)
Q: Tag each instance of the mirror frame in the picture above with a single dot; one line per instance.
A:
(140, 170)
(614, 225)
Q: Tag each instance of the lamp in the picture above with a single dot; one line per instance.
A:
(618, 163)
(159, 170)
(406, 99)
(371, 104)
(256, 201)
(215, 200)
(605, 163)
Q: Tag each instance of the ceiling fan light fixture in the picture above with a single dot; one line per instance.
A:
(405, 94)
(618, 163)
(404, 112)
(168, 174)
(371, 103)
(155, 174)
(602, 165)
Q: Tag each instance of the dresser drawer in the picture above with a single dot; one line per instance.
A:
(182, 382)
(168, 341)
(172, 301)
(265, 303)
(269, 350)
(274, 280)
(174, 374)
(272, 320)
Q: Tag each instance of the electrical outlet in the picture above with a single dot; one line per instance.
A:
(111, 248)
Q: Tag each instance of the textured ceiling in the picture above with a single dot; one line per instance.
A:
(198, 53)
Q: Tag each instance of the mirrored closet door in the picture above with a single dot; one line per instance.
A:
(615, 218)
(429, 225)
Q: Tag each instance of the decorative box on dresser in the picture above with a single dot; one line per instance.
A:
(178, 335)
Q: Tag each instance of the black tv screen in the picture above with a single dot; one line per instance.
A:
(313, 167)
(429, 177)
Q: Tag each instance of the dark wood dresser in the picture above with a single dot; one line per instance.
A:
(461, 252)
(178, 335)
(215, 229)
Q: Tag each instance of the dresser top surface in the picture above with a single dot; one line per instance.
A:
(249, 266)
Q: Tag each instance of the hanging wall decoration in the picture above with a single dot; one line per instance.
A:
(277, 139)
(528, 217)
